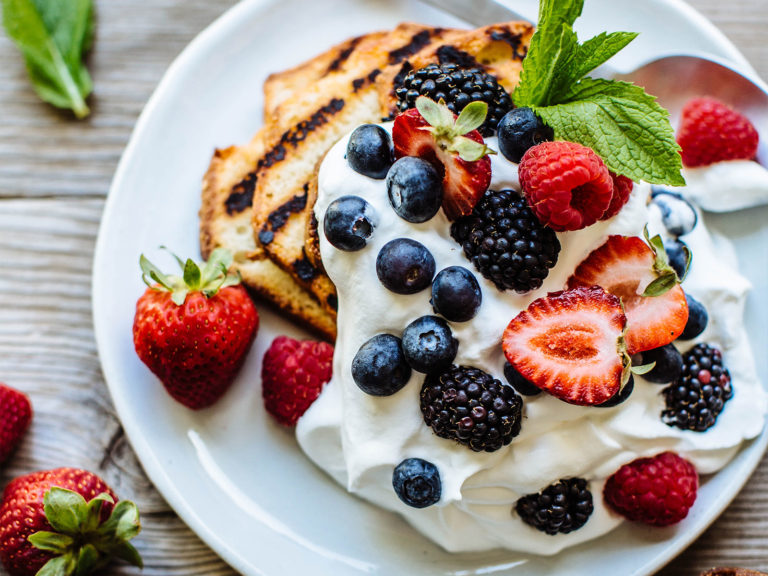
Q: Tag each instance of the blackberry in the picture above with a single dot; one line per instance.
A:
(695, 400)
(561, 507)
(458, 87)
(472, 407)
(506, 242)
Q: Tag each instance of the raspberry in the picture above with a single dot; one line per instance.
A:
(292, 375)
(622, 188)
(567, 185)
(658, 491)
(710, 131)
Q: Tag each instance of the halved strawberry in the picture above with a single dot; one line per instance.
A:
(442, 139)
(654, 303)
(570, 344)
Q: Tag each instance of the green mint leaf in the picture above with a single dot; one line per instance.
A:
(597, 51)
(623, 125)
(471, 117)
(555, 12)
(53, 37)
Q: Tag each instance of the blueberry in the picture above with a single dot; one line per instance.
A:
(456, 294)
(369, 151)
(518, 381)
(621, 396)
(415, 189)
(379, 367)
(669, 364)
(405, 266)
(429, 345)
(349, 222)
(697, 319)
(677, 214)
(678, 254)
(519, 130)
(417, 482)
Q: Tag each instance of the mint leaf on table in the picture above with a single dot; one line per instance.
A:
(54, 36)
(618, 120)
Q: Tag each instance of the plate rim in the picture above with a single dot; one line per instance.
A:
(210, 35)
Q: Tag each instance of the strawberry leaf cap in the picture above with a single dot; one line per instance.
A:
(666, 277)
(208, 279)
(80, 541)
(449, 131)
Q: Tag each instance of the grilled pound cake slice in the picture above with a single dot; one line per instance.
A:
(225, 221)
(279, 86)
(303, 129)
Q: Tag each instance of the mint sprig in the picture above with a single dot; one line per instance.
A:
(618, 120)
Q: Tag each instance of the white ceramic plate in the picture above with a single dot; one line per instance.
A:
(236, 478)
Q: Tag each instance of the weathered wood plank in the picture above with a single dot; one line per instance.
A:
(54, 176)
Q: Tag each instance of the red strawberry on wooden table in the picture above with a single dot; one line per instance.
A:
(649, 288)
(15, 416)
(571, 344)
(194, 331)
(453, 145)
(64, 522)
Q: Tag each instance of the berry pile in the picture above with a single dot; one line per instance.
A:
(457, 87)
(558, 509)
(695, 400)
(506, 242)
(470, 406)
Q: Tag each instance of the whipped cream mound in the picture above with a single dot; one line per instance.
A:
(358, 439)
(727, 186)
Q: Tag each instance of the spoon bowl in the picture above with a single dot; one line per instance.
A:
(674, 80)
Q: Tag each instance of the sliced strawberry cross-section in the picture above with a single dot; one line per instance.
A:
(432, 132)
(570, 344)
(653, 300)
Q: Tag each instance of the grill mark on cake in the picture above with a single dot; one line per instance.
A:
(359, 83)
(451, 55)
(417, 42)
(343, 55)
(241, 196)
(278, 217)
(514, 40)
(304, 268)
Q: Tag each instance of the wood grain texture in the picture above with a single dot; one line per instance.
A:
(54, 178)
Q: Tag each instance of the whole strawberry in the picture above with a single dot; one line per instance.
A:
(15, 416)
(658, 491)
(293, 374)
(710, 131)
(194, 331)
(66, 520)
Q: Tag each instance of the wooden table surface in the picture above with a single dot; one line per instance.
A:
(54, 177)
